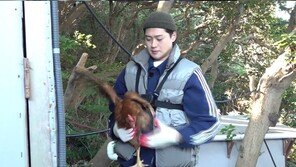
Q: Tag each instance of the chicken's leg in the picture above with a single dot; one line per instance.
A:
(139, 161)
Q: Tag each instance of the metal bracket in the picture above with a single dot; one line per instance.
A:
(230, 144)
(27, 78)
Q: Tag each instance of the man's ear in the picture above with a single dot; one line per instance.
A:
(174, 36)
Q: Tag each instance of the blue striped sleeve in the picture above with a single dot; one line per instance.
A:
(201, 111)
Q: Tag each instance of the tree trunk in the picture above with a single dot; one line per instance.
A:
(101, 159)
(292, 20)
(76, 86)
(214, 73)
(73, 96)
(265, 109)
(252, 85)
(70, 15)
(165, 6)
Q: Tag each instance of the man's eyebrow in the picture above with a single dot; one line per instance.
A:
(153, 36)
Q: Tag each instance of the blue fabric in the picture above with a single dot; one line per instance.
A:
(153, 75)
(195, 106)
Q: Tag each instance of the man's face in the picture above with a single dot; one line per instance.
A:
(159, 43)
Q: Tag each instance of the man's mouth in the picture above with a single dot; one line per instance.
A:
(154, 51)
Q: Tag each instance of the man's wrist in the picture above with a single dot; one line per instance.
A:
(178, 137)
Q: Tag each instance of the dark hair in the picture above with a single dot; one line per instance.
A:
(169, 31)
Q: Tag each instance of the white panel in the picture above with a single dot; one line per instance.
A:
(215, 153)
(42, 102)
(13, 137)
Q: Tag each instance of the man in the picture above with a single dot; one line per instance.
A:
(186, 114)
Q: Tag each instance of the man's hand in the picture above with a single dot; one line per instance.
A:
(122, 133)
(161, 137)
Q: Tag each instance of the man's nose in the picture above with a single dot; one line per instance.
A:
(153, 43)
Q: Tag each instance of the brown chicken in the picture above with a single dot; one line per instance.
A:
(134, 112)
(130, 112)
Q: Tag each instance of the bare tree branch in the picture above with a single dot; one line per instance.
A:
(165, 6)
(292, 20)
(223, 41)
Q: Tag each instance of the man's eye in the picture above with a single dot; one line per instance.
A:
(148, 39)
(159, 39)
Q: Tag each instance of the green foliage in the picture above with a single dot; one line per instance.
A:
(67, 44)
(68, 47)
(288, 106)
(73, 46)
(239, 69)
(277, 28)
(65, 77)
(228, 131)
(99, 105)
(292, 156)
(93, 113)
(291, 163)
(287, 40)
(288, 117)
(81, 149)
